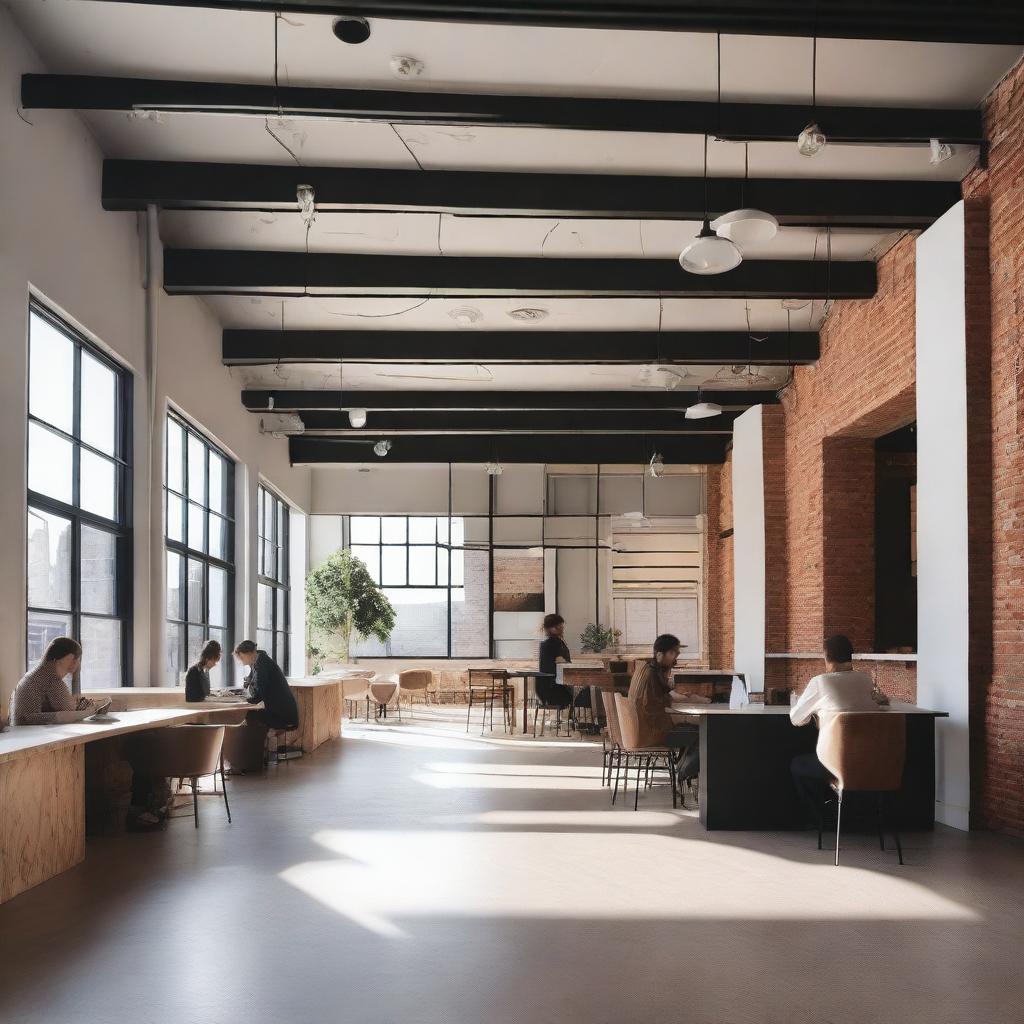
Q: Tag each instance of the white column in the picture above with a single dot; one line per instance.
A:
(942, 553)
(748, 547)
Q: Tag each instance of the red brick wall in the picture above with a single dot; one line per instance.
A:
(995, 293)
(898, 679)
(718, 579)
(518, 582)
(773, 435)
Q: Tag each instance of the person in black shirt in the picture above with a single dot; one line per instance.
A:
(553, 651)
(267, 683)
(197, 679)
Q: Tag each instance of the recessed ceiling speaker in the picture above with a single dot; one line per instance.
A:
(352, 30)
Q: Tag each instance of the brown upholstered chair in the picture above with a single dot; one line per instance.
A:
(414, 680)
(865, 752)
(190, 752)
(646, 758)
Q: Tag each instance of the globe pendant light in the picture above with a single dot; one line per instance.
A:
(707, 253)
(746, 226)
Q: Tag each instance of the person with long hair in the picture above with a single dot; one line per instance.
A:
(42, 696)
(197, 679)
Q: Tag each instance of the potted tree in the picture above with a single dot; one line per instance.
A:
(343, 602)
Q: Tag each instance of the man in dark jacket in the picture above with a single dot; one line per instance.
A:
(267, 683)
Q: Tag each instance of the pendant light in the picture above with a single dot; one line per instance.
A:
(811, 140)
(708, 253)
(702, 410)
(356, 417)
(746, 226)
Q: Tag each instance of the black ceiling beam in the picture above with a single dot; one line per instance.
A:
(225, 272)
(540, 448)
(636, 400)
(954, 21)
(758, 348)
(134, 184)
(760, 121)
(509, 422)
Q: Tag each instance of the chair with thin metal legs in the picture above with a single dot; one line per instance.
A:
(415, 680)
(865, 752)
(486, 685)
(645, 759)
(613, 739)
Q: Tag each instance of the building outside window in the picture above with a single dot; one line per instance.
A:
(199, 490)
(79, 490)
(272, 605)
(435, 578)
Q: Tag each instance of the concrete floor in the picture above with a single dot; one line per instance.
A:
(413, 874)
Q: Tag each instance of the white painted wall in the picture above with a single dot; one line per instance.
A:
(59, 244)
(748, 547)
(942, 553)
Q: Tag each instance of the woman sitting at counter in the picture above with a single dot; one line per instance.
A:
(42, 697)
(554, 652)
(197, 679)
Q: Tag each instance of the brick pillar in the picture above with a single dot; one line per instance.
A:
(848, 540)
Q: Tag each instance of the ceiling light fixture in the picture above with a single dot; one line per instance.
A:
(357, 417)
(465, 316)
(940, 152)
(746, 225)
(707, 253)
(381, 448)
(702, 410)
(656, 467)
(351, 30)
(811, 140)
(528, 314)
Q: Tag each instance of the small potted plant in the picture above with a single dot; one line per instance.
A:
(597, 638)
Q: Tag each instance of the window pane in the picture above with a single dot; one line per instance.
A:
(458, 532)
(51, 374)
(217, 481)
(281, 620)
(218, 537)
(282, 534)
(365, 529)
(195, 591)
(196, 642)
(218, 596)
(175, 666)
(264, 606)
(442, 530)
(442, 566)
(101, 653)
(49, 560)
(175, 443)
(99, 572)
(196, 469)
(42, 628)
(175, 597)
(458, 561)
(97, 486)
(371, 557)
(196, 522)
(99, 405)
(175, 518)
(422, 566)
(281, 651)
(393, 566)
(421, 626)
(218, 677)
(268, 518)
(265, 640)
(392, 530)
(282, 566)
(422, 530)
(49, 463)
(269, 552)
(470, 607)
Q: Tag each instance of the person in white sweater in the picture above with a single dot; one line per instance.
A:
(838, 688)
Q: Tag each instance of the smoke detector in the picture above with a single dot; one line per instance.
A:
(407, 67)
(282, 424)
(528, 314)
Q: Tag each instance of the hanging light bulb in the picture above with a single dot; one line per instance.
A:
(357, 417)
(656, 467)
(381, 448)
(710, 254)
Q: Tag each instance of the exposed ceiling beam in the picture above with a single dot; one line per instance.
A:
(758, 348)
(509, 422)
(226, 272)
(134, 184)
(542, 448)
(636, 400)
(754, 121)
(954, 21)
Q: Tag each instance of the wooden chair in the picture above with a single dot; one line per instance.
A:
(865, 752)
(414, 680)
(646, 758)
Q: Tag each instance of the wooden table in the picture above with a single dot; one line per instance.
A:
(745, 782)
(42, 793)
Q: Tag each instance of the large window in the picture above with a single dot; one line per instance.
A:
(79, 551)
(272, 612)
(199, 488)
(436, 579)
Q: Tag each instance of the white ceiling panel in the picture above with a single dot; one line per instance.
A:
(486, 314)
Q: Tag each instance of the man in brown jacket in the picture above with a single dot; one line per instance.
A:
(649, 691)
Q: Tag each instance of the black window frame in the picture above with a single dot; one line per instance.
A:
(280, 578)
(121, 527)
(187, 553)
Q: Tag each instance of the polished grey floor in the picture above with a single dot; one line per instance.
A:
(414, 874)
